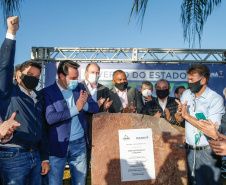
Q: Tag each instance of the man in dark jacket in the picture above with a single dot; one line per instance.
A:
(163, 106)
(125, 99)
(25, 157)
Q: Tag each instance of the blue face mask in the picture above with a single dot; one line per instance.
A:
(73, 84)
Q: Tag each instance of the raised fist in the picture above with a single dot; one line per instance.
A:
(13, 25)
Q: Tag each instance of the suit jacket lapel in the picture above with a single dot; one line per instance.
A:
(99, 92)
(116, 100)
(87, 89)
(76, 93)
(130, 96)
(58, 93)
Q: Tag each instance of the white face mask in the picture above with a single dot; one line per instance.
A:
(146, 92)
(93, 78)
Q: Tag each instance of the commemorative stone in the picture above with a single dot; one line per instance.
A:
(169, 160)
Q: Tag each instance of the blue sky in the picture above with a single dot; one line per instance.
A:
(88, 23)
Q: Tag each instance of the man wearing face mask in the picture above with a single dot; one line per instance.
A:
(25, 157)
(163, 106)
(125, 99)
(179, 91)
(200, 102)
(66, 102)
(146, 91)
(99, 94)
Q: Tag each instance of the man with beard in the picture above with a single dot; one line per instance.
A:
(66, 103)
(25, 157)
(163, 106)
(125, 99)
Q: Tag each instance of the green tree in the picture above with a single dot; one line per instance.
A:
(194, 14)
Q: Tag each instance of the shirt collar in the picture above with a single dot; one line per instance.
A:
(61, 88)
(204, 94)
(32, 93)
(89, 85)
(118, 91)
(163, 101)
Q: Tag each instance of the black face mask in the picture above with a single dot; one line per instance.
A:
(121, 86)
(30, 82)
(195, 87)
(162, 93)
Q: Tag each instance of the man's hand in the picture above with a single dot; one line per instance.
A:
(7, 127)
(107, 104)
(158, 115)
(184, 111)
(208, 128)
(219, 146)
(13, 25)
(45, 168)
(179, 108)
(132, 109)
(82, 100)
(178, 115)
(128, 109)
(100, 101)
(168, 116)
(147, 99)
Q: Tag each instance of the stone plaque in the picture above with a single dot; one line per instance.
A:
(170, 161)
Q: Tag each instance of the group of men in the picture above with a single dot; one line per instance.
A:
(55, 124)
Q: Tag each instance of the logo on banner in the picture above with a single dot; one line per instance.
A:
(219, 74)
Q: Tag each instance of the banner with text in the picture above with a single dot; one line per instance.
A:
(137, 73)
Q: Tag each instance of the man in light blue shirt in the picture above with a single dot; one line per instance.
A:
(202, 164)
(66, 102)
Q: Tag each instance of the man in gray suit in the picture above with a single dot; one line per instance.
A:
(99, 94)
(125, 99)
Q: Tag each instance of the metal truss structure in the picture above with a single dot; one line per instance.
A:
(126, 55)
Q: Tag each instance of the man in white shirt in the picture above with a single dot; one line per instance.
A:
(99, 94)
(200, 102)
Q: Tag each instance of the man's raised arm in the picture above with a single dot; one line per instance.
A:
(7, 54)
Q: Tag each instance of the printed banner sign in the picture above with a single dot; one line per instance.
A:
(138, 72)
(136, 155)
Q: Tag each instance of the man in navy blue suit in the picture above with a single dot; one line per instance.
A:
(24, 158)
(66, 102)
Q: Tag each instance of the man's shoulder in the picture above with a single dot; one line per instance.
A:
(172, 101)
(154, 101)
(49, 88)
(83, 82)
(213, 95)
(81, 86)
(186, 92)
(100, 86)
(132, 89)
(173, 98)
